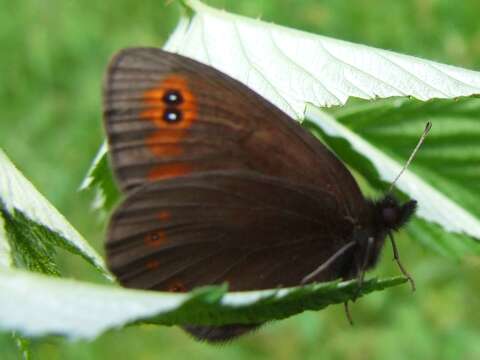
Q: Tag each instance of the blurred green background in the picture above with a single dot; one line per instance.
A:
(54, 54)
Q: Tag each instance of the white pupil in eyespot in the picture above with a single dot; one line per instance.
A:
(172, 97)
(172, 116)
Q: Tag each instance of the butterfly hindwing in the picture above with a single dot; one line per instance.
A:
(252, 231)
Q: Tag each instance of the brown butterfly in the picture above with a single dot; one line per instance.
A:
(222, 186)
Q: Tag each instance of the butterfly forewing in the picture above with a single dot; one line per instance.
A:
(167, 115)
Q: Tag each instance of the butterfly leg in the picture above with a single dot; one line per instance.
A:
(397, 259)
(361, 270)
(347, 312)
(327, 263)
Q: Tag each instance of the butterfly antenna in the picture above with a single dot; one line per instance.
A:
(414, 152)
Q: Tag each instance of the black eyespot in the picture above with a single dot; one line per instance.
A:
(172, 97)
(172, 115)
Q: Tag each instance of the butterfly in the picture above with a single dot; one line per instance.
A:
(223, 187)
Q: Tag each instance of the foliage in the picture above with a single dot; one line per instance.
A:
(50, 126)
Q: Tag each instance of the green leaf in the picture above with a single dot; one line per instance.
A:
(6, 260)
(444, 176)
(37, 305)
(23, 346)
(33, 227)
(100, 179)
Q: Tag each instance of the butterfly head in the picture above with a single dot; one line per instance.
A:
(391, 215)
(388, 216)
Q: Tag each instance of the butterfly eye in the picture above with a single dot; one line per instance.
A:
(172, 97)
(390, 216)
(172, 115)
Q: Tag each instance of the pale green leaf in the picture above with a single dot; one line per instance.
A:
(34, 227)
(291, 68)
(37, 305)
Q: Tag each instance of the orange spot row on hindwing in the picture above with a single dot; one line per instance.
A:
(164, 215)
(155, 238)
(172, 117)
(152, 264)
(176, 286)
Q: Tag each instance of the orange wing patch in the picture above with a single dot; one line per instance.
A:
(172, 108)
(164, 143)
(167, 171)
